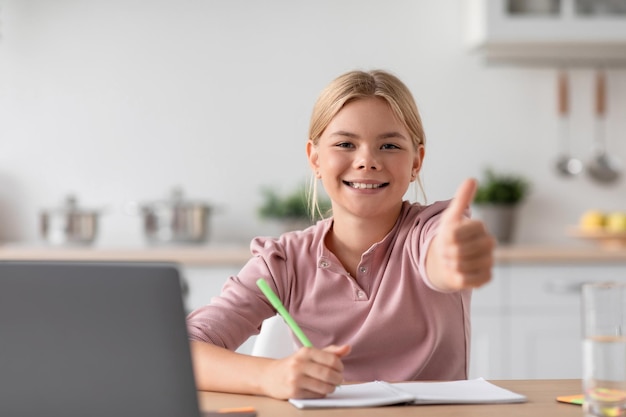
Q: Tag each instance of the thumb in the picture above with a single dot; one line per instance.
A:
(462, 199)
(340, 351)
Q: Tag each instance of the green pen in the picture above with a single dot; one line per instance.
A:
(278, 305)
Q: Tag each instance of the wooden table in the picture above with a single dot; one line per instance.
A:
(541, 403)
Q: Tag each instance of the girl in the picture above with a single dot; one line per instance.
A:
(382, 288)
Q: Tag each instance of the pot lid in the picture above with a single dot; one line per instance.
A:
(70, 206)
(175, 200)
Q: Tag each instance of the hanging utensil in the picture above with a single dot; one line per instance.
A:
(602, 168)
(566, 165)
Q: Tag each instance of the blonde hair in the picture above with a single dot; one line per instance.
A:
(355, 85)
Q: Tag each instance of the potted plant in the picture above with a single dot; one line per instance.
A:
(291, 209)
(496, 202)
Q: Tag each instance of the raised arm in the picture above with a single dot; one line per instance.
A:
(461, 255)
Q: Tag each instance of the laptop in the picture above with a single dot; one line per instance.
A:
(94, 339)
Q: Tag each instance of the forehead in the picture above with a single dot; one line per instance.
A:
(366, 113)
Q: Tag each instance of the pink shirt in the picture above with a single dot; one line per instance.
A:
(400, 328)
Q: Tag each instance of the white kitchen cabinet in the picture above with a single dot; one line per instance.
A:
(204, 283)
(486, 349)
(545, 317)
(536, 325)
(545, 346)
(489, 329)
(545, 320)
(548, 32)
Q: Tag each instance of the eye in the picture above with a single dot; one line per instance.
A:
(389, 146)
(346, 145)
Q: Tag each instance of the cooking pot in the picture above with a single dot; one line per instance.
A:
(69, 224)
(176, 220)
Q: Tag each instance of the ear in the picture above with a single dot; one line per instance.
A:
(418, 159)
(313, 157)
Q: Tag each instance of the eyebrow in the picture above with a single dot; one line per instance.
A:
(387, 135)
(344, 133)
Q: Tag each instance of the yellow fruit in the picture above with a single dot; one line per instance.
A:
(592, 220)
(616, 222)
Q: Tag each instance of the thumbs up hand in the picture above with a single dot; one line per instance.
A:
(461, 255)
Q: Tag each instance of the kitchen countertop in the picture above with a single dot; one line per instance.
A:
(559, 254)
(214, 255)
(204, 255)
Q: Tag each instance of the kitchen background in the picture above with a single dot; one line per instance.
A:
(118, 101)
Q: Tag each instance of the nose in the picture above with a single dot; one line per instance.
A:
(366, 159)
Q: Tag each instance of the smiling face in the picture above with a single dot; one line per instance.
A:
(366, 160)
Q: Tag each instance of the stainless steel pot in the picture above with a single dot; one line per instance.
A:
(69, 224)
(176, 220)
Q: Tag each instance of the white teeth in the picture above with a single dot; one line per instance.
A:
(361, 185)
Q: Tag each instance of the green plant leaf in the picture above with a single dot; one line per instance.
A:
(501, 189)
(290, 206)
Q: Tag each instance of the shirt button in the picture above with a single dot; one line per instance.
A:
(324, 264)
(363, 269)
(360, 294)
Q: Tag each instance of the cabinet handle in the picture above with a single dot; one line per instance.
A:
(563, 287)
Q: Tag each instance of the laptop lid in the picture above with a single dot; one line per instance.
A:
(93, 339)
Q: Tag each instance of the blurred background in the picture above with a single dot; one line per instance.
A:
(132, 106)
(119, 101)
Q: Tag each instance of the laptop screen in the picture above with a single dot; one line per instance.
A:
(93, 339)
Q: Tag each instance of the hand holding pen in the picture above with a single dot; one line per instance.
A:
(308, 373)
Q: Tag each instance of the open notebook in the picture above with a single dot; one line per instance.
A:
(379, 393)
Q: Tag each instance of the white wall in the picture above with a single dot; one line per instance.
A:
(119, 100)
